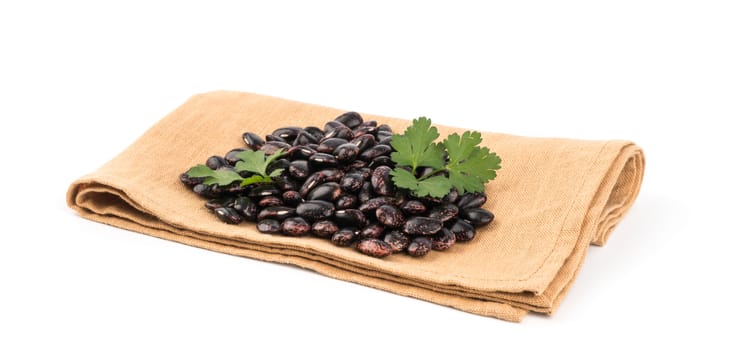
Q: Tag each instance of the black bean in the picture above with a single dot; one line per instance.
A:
(206, 191)
(381, 181)
(341, 132)
(364, 142)
(374, 247)
(350, 119)
(190, 181)
(421, 225)
(443, 240)
(347, 201)
(324, 228)
(382, 160)
(305, 138)
(282, 163)
(276, 213)
(292, 198)
(246, 208)
(232, 156)
(329, 145)
(322, 160)
(444, 212)
(373, 230)
(315, 210)
(264, 190)
(451, 197)
(413, 207)
(252, 140)
(419, 246)
(463, 230)
(375, 151)
(295, 226)
(268, 226)
(352, 182)
(363, 130)
(472, 200)
(382, 136)
(299, 169)
(346, 152)
(285, 183)
(328, 191)
(215, 162)
(228, 215)
(271, 147)
(288, 133)
(314, 131)
(331, 125)
(397, 240)
(477, 216)
(370, 123)
(270, 201)
(272, 137)
(345, 236)
(374, 203)
(301, 152)
(385, 128)
(350, 217)
(390, 216)
(215, 203)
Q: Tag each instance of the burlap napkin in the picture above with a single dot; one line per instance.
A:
(552, 198)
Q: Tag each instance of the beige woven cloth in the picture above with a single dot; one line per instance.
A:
(552, 198)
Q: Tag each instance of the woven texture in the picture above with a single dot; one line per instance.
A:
(552, 199)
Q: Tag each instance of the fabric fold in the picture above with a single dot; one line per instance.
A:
(552, 199)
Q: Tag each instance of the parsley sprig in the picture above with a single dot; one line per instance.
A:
(457, 161)
(255, 162)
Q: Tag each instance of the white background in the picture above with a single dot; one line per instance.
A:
(81, 81)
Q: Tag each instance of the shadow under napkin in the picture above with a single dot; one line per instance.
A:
(526, 260)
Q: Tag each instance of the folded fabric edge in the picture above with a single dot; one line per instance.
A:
(150, 225)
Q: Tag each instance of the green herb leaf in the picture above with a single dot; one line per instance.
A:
(416, 146)
(435, 186)
(252, 161)
(214, 177)
(469, 166)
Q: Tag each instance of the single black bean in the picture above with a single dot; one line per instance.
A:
(444, 212)
(421, 225)
(374, 247)
(292, 198)
(300, 152)
(463, 230)
(228, 215)
(366, 192)
(215, 162)
(288, 133)
(363, 130)
(324, 228)
(375, 151)
(264, 190)
(345, 236)
(390, 216)
(397, 240)
(270, 201)
(347, 201)
(331, 125)
(350, 119)
(246, 207)
(315, 210)
(232, 156)
(322, 160)
(276, 213)
(375, 202)
(382, 136)
(271, 147)
(382, 160)
(372, 230)
(370, 123)
(364, 142)
(443, 239)
(329, 145)
(315, 131)
(451, 197)
(350, 217)
(285, 183)
(381, 181)
(268, 226)
(385, 128)
(346, 152)
(305, 138)
(341, 132)
(295, 226)
(352, 182)
(472, 200)
(215, 203)
(413, 207)
(365, 172)
(206, 191)
(477, 216)
(282, 163)
(328, 191)
(299, 169)
(252, 140)
(272, 137)
(419, 246)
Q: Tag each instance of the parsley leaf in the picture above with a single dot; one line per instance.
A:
(470, 166)
(251, 161)
(416, 147)
(457, 162)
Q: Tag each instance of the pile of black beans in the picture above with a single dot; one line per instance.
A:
(336, 185)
